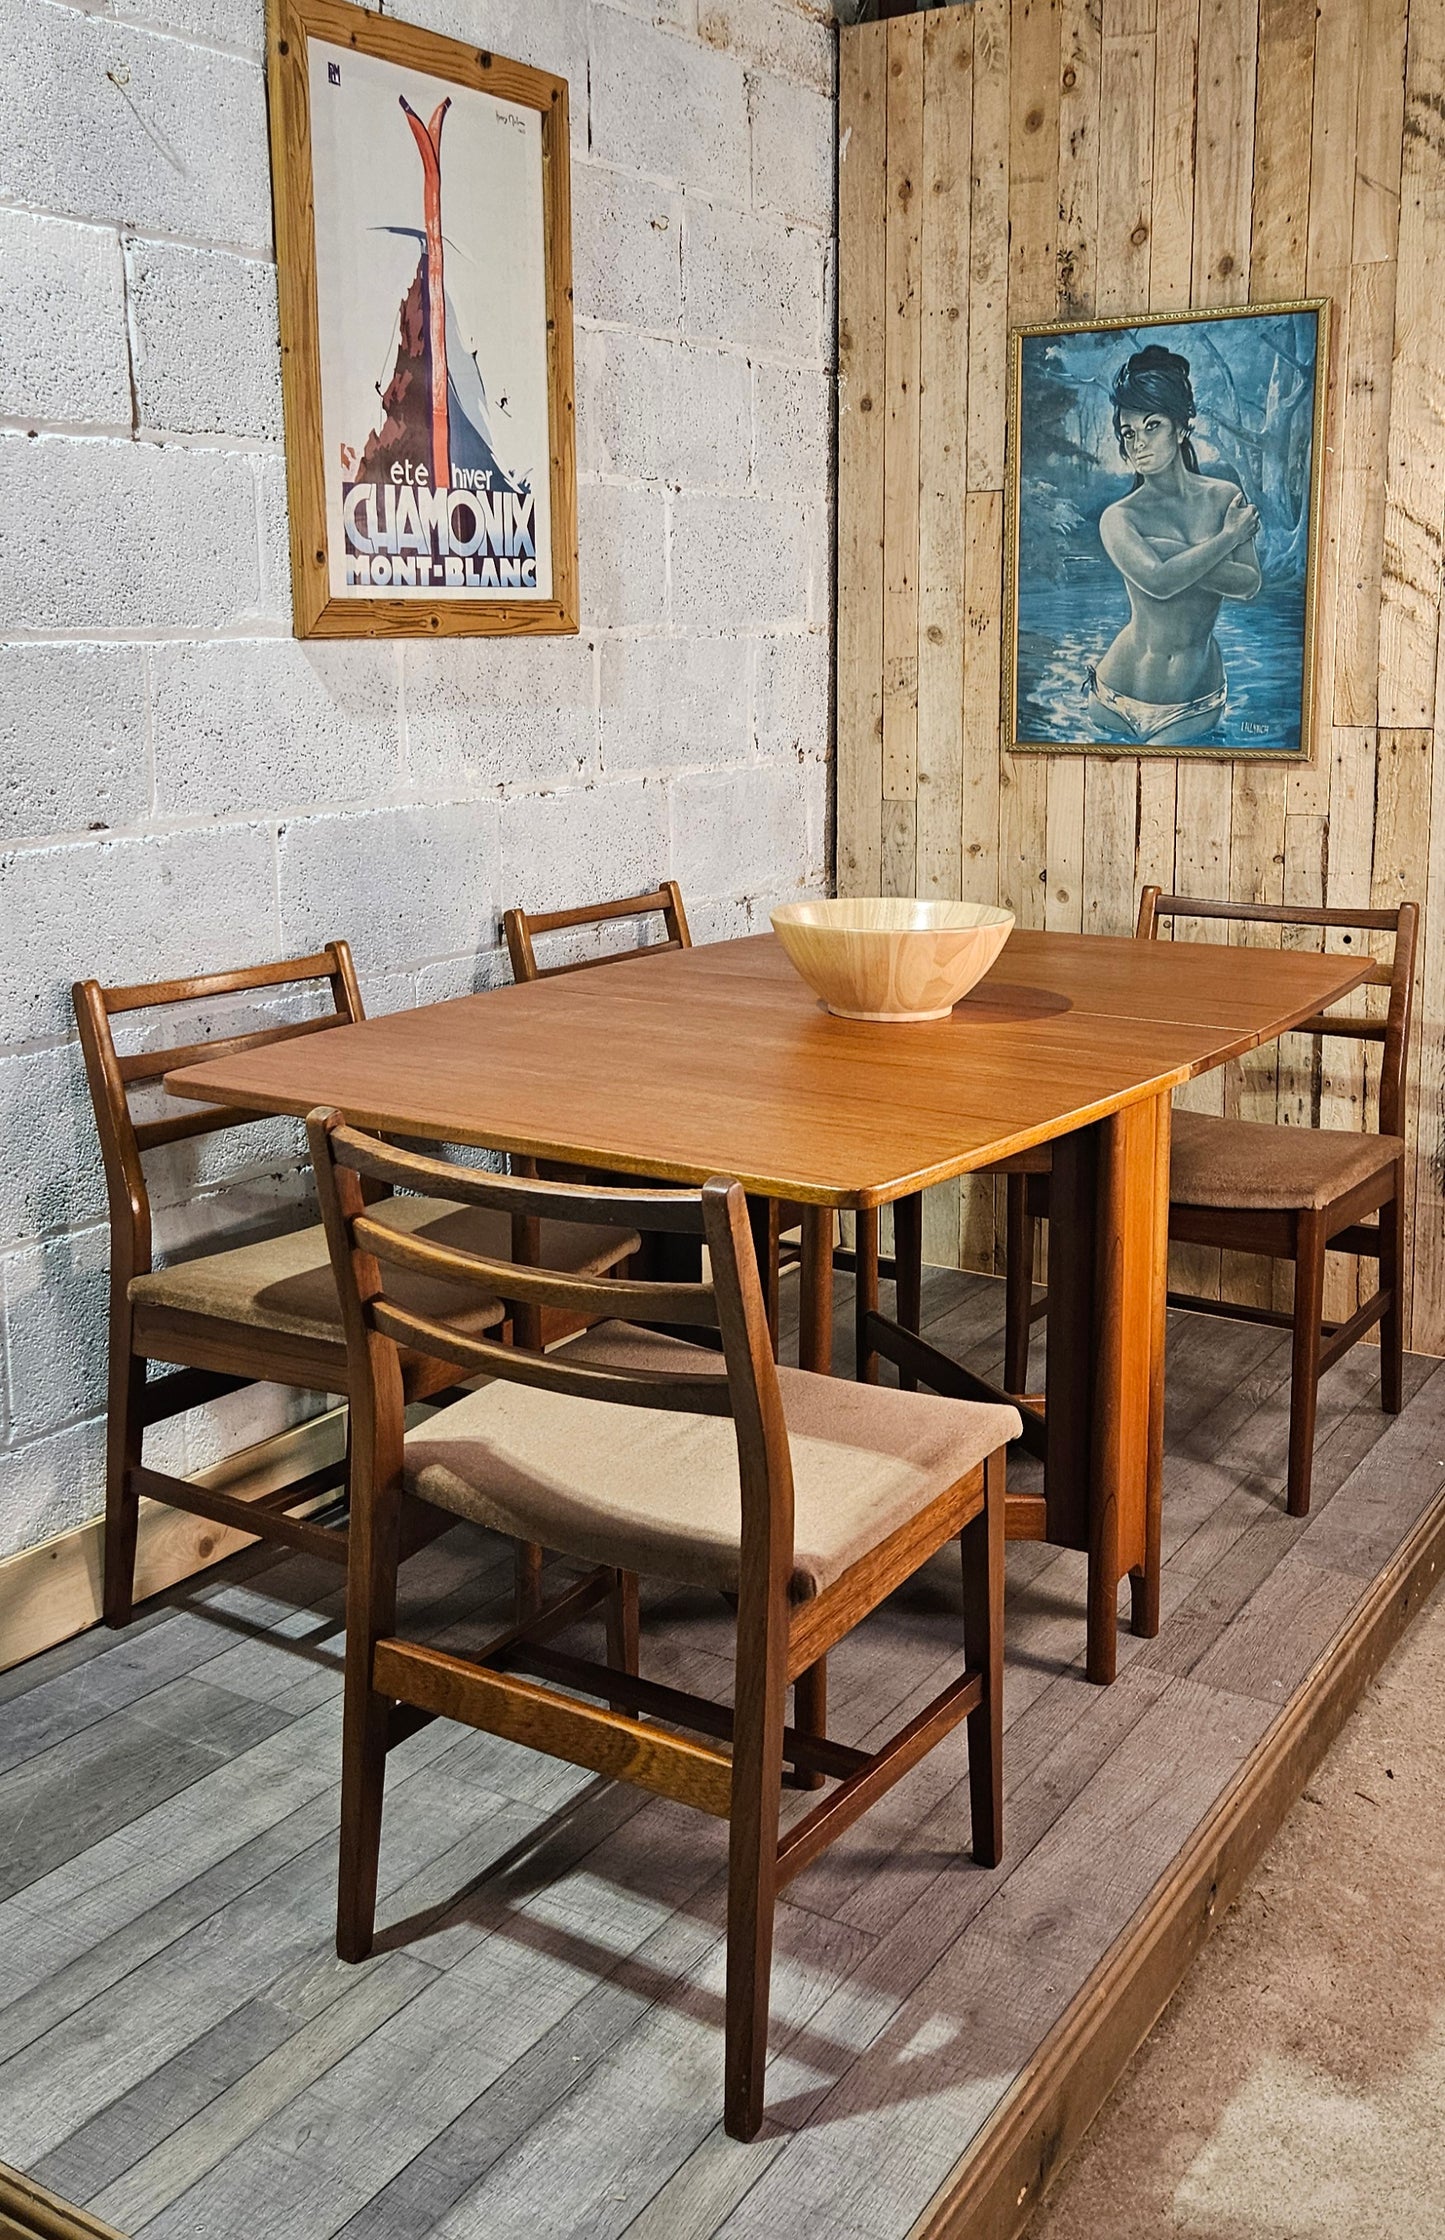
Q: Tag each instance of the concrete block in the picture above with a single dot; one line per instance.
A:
(652, 411)
(626, 248)
(489, 712)
(50, 1485)
(792, 695)
(223, 23)
(622, 540)
(122, 536)
(57, 1302)
(792, 428)
(794, 132)
(738, 832)
(208, 349)
(666, 106)
(50, 1170)
(583, 844)
(741, 563)
(547, 34)
(62, 323)
(751, 280)
(462, 976)
(123, 910)
(793, 37)
(723, 919)
(673, 702)
(401, 885)
(106, 120)
(273, 514)
(72, 738)
(243, 725)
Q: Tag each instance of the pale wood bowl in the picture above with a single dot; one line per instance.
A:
(892, 958)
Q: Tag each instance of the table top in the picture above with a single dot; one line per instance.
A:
(720, 1060)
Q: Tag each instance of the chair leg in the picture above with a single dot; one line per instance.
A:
(1018, 1284)
(363, 1780)
(528, 1580)
(810, 1715)
(865, 1292)
(1309, 1306)
(124, 1432)
(982, 1546)
(753, 1867)
(1392, 1326)
(623, 1627)
(908, 1270)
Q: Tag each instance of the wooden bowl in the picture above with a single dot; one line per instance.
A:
(892, 959)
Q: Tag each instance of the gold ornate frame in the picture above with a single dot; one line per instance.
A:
(1309, 694)
(290, 26)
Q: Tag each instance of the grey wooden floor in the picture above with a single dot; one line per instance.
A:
(536, 2048)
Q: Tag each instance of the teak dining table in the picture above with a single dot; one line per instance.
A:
(719, 1060)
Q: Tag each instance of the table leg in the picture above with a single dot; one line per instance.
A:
(815, 1321)
(865, 1292)
(1107, 1278)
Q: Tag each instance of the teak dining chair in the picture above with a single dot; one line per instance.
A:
(1283, 1193)
(261, 1311)
(809, 1498)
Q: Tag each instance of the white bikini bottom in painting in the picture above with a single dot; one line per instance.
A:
(1142, 720)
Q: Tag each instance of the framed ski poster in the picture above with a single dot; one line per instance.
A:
(423, 243)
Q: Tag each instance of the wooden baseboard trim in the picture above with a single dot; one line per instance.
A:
(28, 2212)
(996, 2188)
(52, 1591)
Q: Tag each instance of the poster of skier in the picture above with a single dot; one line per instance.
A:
(429, 408)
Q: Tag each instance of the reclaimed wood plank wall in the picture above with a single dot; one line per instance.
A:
(1018, 160)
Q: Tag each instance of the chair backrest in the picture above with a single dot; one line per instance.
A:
(112, 1077)
(1398, 975)
(521, 926)
(348, 1160)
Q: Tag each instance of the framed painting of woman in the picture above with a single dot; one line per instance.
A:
(1163, 533)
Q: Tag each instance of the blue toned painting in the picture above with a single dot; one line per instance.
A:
(1163, 534)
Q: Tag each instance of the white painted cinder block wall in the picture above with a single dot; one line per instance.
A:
(184, 786)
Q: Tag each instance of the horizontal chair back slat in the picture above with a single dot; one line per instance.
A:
(672, 1210)
(632, 1388)
(151, 995)
(595, 1299)
(1273, 913)
(206, 1120)
(1398, 974)
(522, 926)
(150, 1065)
(112, 1077)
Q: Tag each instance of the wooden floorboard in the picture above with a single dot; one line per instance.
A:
(535, 2048)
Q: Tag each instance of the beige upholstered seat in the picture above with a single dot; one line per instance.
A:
(655, 1492)
(1216, 1162)
(285, 1283)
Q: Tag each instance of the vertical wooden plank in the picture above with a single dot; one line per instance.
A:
(1284, 96)
(1278, 251)
(1400, 873)
(1224, 151)
(1176, 58)
(903, 346)
(943, 439)
(1351, 854)
(1080, 59)
(1064, 845)
(862, 185)
(1428, 1259)
(1126, 208)
(982, 684)
(988, 247)
(1365, 376)
(1033, 248)
(1410, 590)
